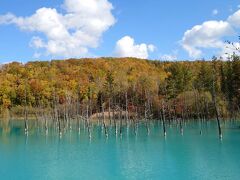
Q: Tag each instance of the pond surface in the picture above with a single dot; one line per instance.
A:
(130, 156)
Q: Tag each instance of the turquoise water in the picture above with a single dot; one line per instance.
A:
(141, 156)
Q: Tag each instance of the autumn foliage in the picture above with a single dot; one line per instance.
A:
(134, 85)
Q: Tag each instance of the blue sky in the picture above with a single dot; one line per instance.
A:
(152, 23)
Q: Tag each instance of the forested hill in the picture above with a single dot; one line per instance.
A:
(141, 87)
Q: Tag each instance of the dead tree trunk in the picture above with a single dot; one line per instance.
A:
(126, 105)
(217, 114)
(215, 102)
(25, 110)
(163, 119)
(87, 121)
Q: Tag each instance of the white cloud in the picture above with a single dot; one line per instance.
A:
(210, 34)
(215, 12)
(235, 19)
(7, 18)
(168, 57)
(126, 47)
(37, 42)
(207, 35)
(151, 48)
(68, 34)
(36, 55)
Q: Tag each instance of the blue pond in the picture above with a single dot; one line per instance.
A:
(130, 156)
